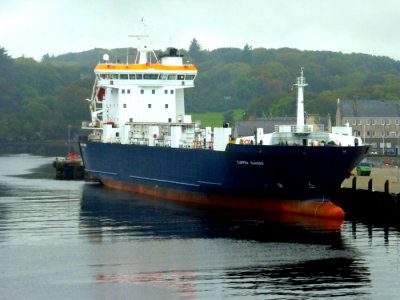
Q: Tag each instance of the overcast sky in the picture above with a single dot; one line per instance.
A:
(36, 27)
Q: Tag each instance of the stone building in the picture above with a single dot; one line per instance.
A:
(377, 122)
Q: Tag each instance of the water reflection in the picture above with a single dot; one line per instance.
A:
(107, 212)
(206, 252)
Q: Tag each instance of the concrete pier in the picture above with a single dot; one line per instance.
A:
(371, 197)
(69, 169)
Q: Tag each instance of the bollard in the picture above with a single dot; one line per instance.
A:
(387, 187)
(354, 183)
(370, 185)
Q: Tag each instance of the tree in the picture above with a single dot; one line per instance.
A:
(195, 51)
(247, 54)
(229, 117)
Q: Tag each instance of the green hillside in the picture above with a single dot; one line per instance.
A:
(38, 100)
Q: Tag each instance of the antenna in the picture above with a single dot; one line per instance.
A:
(142, 31)
(144, 50)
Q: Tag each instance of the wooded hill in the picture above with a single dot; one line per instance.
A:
(40, 99)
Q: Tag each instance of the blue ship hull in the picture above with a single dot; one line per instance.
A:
(294, 179)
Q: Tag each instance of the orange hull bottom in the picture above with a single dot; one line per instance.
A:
(305, 207)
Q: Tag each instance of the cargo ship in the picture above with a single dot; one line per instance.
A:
(142, 141)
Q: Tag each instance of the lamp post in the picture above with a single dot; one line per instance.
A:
(69, 139)
(383, 140)
(397, 152)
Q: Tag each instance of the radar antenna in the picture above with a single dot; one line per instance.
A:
(144, 52)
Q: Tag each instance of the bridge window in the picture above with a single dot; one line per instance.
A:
(172, 77)
(114, 76)
(123, 76)
(189, 77)
(150, 76)
(139, 76)
(181, 77)
(163, 76)
(132, 76)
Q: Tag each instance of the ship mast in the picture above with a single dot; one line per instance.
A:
(300, 84)
(143, 48)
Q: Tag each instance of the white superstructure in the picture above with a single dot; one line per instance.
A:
(143, 103)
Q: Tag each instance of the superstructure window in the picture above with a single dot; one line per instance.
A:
(165, 91)
(150, 76)
(153, 91)
(172, 77)
(123, 76)
(129, 91)
(149, 105)
(163, 76)
(142, 91)
(123, 91)
(124, 105)
(139, 76)
(189, 77)
(132, 76)
(166, 105)
(181, 77)
(171, 91)
(114, 76)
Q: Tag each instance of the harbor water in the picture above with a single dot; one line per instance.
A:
(77, 240)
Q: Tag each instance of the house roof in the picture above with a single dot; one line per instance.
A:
(248, 127)
(370, 108)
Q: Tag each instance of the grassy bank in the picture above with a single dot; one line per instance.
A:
(215, 119)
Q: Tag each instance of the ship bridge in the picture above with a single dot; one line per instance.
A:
(146, 75)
